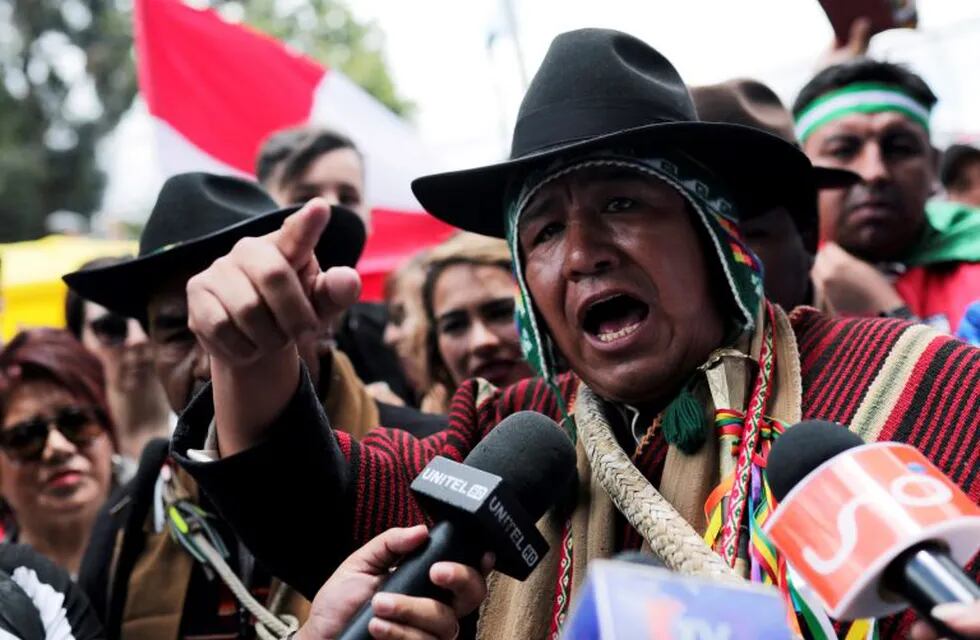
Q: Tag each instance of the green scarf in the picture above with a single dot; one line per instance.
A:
(952, 235)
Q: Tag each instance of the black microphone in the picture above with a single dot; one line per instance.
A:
(490, 502)
(891, 478)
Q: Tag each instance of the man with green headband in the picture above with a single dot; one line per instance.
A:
(889, 250)
(642, 311)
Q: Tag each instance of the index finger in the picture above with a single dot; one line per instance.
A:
(300, 232)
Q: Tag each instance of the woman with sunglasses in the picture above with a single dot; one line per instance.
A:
(135, 397)
(56, 443)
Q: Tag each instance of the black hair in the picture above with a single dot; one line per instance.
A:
(295, 149)
(75, 304)
(955, 159)
(864, 70)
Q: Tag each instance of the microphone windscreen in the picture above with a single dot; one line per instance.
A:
(532, 454)
(803, 448)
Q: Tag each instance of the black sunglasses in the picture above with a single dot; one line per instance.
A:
(25, 440)
(111, 329)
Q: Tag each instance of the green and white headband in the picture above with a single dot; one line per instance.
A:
(862, 97)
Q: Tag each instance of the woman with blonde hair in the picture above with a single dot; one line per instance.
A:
(468, 297)
(451, 317)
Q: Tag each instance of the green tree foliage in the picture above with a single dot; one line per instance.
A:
(67, 75)
(67, 78)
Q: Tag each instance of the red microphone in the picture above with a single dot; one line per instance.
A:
(870, 527)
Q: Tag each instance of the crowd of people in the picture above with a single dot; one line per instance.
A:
(222, 442)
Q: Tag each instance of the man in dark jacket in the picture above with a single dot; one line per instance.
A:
(140, 580)
(785, 240)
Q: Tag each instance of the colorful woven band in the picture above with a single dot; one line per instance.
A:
(865, 97)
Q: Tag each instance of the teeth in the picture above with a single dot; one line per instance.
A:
(619, 333)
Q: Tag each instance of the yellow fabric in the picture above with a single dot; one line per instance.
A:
(688, 479)
(730, 376)
(32, 292)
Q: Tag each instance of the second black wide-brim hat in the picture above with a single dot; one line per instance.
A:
(599, 88)
(198, 217)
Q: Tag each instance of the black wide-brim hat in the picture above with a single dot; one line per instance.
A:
(197, 218)
(600, 89)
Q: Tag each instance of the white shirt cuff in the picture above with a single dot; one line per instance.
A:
(210, 451)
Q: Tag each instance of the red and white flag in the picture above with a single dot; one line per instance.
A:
(215, 90)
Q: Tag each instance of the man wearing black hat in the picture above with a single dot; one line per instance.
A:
(642, 310)
(197, 219)
(785, 240)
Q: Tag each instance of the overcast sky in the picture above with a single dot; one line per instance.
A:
(467, 94)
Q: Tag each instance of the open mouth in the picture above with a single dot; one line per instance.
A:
(615, 317)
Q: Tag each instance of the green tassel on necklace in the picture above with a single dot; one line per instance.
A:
(683, 422)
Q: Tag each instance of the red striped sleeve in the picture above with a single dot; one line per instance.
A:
(937, 414)
(839, 359)
(937, 411)
(385, 461)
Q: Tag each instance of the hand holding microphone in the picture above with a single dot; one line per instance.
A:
(964, 619)
(490, 502)
(397, 616)
(871, 528)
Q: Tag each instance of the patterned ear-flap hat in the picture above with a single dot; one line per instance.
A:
(714, 214)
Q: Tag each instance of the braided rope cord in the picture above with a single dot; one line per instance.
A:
(669, 534)
(268, 626)
(189, 528)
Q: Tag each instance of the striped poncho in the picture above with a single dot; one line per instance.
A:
(343, 492)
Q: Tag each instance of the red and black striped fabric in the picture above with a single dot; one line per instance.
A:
(939, 408)
(938, 413)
